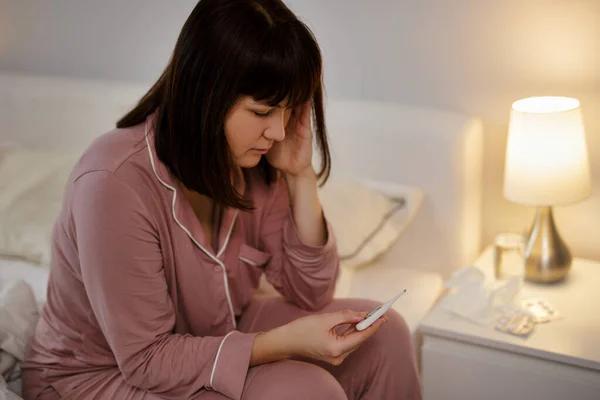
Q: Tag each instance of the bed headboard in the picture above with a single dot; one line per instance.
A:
(438, 151)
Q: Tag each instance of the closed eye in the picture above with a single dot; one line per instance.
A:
(259, 114)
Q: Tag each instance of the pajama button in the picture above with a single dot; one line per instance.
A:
(216, 268)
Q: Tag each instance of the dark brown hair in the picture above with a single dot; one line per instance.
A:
(228, 49)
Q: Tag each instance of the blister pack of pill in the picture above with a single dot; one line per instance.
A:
(519, 324)
(540, 310)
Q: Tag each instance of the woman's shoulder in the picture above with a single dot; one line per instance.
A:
(113, 152)
(114, 173)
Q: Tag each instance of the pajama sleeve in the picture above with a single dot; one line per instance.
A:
(305, 275)
(122, 271)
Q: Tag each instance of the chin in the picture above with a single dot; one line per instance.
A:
(248, 161)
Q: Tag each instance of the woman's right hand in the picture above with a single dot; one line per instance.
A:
(316, 337)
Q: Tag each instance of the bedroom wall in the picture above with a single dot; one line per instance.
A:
(472, 56)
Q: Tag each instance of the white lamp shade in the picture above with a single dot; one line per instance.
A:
(546, 158)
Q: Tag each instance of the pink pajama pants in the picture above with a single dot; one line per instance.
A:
(383, 368)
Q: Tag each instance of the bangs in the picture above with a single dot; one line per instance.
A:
(229, 49)
(286, 66)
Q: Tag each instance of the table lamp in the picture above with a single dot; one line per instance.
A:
(546, 165)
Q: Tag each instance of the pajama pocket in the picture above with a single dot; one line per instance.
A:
(254, 257)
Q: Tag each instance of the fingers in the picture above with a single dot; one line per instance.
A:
(350, 338)
(299, 120)
(346, 354)
(304, 114)
(352, 328)
(340, 359)
(349, 330)
(293, 118)
(353, 337)
(345, 317)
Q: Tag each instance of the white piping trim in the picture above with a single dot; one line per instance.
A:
(247, 260)
(212, 374)
(188, 232)
(228, 235)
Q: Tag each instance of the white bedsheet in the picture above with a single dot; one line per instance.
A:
(36, 276)
(18, 318)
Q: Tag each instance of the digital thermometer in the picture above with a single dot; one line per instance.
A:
(376, 313)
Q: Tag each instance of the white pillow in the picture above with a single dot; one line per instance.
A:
(32, 183)
(366, 220)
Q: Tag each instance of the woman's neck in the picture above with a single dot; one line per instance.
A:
(205, 209)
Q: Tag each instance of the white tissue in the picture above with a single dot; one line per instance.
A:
(480, 302)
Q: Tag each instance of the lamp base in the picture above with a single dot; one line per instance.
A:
(547, 258)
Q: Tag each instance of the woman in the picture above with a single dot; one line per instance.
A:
(170, 220)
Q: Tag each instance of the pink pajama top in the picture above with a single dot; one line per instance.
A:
(133, 285)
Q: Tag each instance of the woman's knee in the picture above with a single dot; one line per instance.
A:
(292, 380)
(400, 327)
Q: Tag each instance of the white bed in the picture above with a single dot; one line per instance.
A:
(12, 269)
(389, 146)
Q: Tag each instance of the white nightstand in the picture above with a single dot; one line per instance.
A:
(559, 360)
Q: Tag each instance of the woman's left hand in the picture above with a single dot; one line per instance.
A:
(293, 155)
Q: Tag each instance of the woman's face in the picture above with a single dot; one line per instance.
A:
(251, 128)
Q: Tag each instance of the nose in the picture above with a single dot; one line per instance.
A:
(276, 128)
